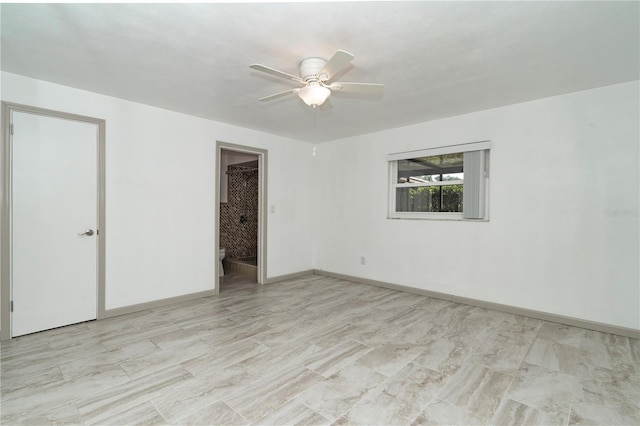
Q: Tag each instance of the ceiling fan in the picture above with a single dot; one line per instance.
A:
(316, 75)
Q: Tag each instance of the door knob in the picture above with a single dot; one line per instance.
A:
(88, 232)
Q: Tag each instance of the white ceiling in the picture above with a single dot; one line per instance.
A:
(436, 59)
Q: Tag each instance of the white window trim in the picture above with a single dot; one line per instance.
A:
(419, 184)
(451, 149)
(392, 159)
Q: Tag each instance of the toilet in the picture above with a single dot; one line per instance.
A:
(221, 255)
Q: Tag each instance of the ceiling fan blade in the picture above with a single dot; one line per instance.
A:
(338, 61)
(275, 72)
(360, 88)
(278, 95)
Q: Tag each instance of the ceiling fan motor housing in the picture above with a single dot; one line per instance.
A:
(309, 69)
(315, 74)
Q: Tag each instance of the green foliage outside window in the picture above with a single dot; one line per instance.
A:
(435, 199)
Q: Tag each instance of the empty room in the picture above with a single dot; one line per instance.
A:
(320, 213)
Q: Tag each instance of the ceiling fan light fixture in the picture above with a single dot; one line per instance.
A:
(315, 75)
(314, 94)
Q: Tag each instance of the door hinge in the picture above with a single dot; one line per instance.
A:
(11, 129)
(12, 306)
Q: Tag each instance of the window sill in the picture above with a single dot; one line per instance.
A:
(441, 218)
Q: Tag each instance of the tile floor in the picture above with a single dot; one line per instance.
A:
(320, 351)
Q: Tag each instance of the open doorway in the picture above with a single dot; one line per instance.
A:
(240, 215)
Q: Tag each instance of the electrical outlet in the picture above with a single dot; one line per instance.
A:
(363, 260)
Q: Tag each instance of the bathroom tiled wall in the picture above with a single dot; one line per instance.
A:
(240, 239)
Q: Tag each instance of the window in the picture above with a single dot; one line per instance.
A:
(439, 183)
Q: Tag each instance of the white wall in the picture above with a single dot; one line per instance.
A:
(563, 234)
(160, 193)
(559, 168)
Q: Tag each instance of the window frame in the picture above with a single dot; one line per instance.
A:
(393, 184)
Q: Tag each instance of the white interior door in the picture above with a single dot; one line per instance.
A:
(54, 201)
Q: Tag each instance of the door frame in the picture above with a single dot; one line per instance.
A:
(6, 211)
(262, 206)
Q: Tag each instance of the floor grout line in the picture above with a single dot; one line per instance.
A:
(504, 353)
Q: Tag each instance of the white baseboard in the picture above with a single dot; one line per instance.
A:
(289, 276)
(185, 297)
(560, 319)
(155, 304)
